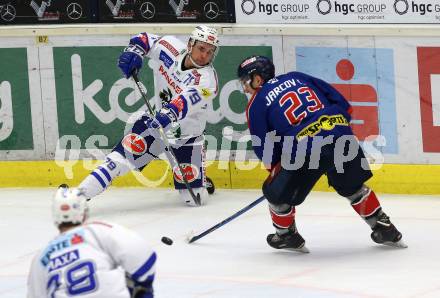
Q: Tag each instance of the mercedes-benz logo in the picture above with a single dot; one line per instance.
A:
(211, 10)
(324, 6)
(74, 11)
(7, 13)
(147, 10)
(401, 6)
(248, 6)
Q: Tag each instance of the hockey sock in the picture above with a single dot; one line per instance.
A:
(283, 218)
(367, 205)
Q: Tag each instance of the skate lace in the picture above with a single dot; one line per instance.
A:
(276, 238)
(384, 220)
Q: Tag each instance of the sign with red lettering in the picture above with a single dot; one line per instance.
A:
(428, 65)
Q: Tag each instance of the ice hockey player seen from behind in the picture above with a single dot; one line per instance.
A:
(185, 83)
(90, 259)
(301, 130)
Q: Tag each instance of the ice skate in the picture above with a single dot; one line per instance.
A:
(291, 240)
(64, 185)
(210, 187)
(384, 232)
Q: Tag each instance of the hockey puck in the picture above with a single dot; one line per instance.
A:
(167, 240)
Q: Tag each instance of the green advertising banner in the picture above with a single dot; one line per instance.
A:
(64, 96)
(15, 104)
(94, 100)
(229, 107)
(92, 97)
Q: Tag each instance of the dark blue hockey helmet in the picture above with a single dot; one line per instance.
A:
(253, 65)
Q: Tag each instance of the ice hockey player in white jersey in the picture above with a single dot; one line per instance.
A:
(185, 83)
(90, 259)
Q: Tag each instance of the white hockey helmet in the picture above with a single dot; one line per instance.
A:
(69, 206)
(205, 34)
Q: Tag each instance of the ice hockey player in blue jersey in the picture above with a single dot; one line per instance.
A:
(300, 127)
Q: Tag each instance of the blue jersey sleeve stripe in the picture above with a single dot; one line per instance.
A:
(148, 282)
(106, 174)
(145, 267)
(99, 179)
(185, 107)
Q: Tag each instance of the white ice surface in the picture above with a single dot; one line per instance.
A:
(235, 261)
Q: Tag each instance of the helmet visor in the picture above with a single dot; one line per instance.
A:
(244, 81)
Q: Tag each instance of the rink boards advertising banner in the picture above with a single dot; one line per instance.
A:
(338, 11)
(170, 11)
(45, 12)
(68, 92)
(85, 105)
(15, 12)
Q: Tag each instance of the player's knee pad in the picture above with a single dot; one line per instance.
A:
(283, 216)
(186, 197)
(192, 161)
(279, 189)
(138, 146)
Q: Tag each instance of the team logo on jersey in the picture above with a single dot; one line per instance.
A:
(324, 122)
(192, 78)
(206, 92)
(167, 61)
(190, 171)
(76, 239)
(63, 260)
(179, 103)
(167, 45)
(144, 38)
(169, 80)
(60, 243)
(135, 144)
(197, 76)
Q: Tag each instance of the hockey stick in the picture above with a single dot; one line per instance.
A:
(192, 239)
(164, 138)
